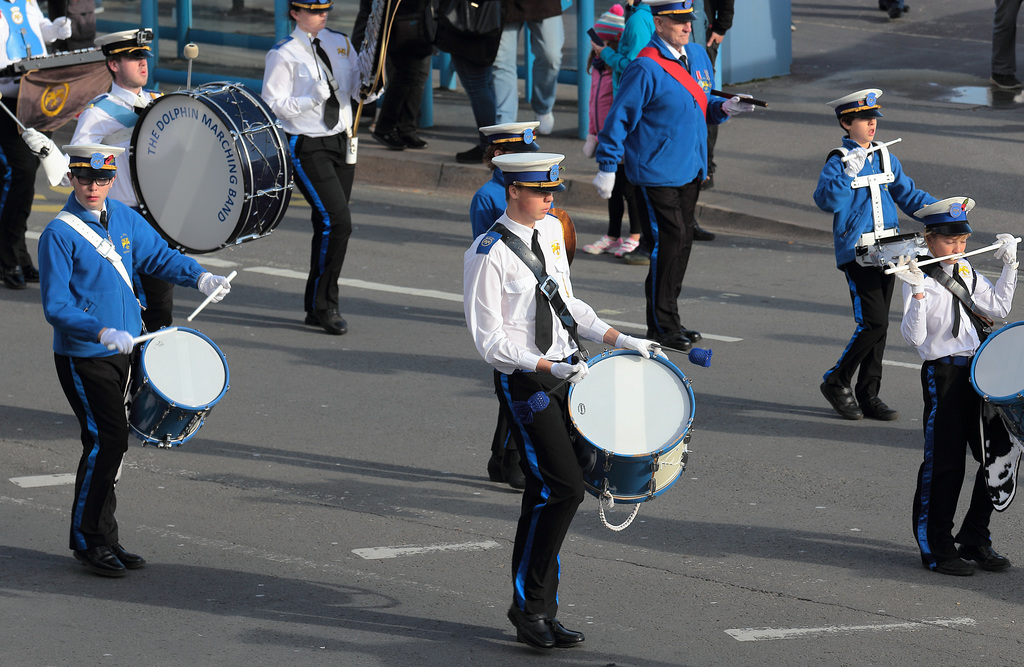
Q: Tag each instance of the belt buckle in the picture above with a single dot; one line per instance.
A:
(549, 287)
(105, 247)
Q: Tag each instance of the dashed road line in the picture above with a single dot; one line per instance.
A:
(771, 634)
(379, 553)
(44, 480)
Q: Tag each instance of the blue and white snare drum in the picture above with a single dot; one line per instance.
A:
(635, 414)
(211, 167)
(997, 374)
(181, 376)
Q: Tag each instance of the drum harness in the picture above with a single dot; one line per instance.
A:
(982, 322)
(549, 287)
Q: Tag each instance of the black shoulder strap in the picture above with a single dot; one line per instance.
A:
(548, 285)
(982, 322)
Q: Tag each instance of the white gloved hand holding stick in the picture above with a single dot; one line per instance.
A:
(911, 274)
(1008, 251)
(572, 372)
(646, 348)
(855, 161)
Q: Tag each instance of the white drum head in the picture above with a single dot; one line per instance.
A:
(185, 368)
(998, 369)
(188, 171)
(630, 405)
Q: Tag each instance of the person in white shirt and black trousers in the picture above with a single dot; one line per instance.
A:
(946, 335)
(309, 79)
(515, 330)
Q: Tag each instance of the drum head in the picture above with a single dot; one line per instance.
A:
(188, 172)
(630, 405)
(186, 368)
(997, 369)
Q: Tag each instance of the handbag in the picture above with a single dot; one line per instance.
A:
(470, 29)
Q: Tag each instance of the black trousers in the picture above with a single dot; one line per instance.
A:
(667, 215)
(326, 182)
(96, 390)
(408, 65)
(871, 294)
(554, 489)
(622, 201)
(953, 421)
(18, 167)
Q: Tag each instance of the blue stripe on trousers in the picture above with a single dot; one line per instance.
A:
(926, 471)
(319, 206)
(76, 520)
(858, 316)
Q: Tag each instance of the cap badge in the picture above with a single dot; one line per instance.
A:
(528, 135)
(870, 99)
(96, 162)
(553, 173)
(956, 209)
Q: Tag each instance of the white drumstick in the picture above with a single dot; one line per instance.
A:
(204, 304)
(144, 337)
(875, 148)
(956, 255)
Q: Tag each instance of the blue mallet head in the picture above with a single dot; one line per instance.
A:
(700, 357)
(523, 411)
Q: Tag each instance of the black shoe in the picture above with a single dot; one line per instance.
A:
(638, 257)
(895, 12)
(701, 234)
(14, 278)
(883, 5)
(510, 470)
(694, 336)
(565, 638)
(413, 141)
(674, 341)
(1005, 81)
(707, 183)
(841, 400)
(956, 567)
(532, 629)
(331, 321)
(31, 273)
(391, 140)
(474, 155)
(985, 557)
(874, 408)
(102, 561)
(130, 561)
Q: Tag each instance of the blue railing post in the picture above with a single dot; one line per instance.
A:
(584, 21)
(149, 18)
(528, 58)
(184, 10)
(282, 20)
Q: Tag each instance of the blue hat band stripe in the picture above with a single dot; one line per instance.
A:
(943, 217)
(527, 177)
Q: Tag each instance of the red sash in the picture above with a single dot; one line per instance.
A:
(676, 70)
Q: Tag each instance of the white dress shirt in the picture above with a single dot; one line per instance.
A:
(928, 323)
(292, 72)
(499, 296)
(96, 126)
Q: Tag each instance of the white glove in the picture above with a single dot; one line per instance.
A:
(855, 160)
(209, 284)
(116, 339)
(321, 92)
(735, 105)
(1008, 251)
(59, 29)
(373, 97)
(38, 142)
(590, 145)
(646, 348)
(572, 372)
(604, 182)
(912, 275)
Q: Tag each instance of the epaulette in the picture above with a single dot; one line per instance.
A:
(281, 43)
(489, 240)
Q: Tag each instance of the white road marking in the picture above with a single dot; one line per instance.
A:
(901, 364)
(378, 553)
(213, 261)
(44, 480)
(769, 634)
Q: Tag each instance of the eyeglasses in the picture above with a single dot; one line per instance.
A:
(101, 182)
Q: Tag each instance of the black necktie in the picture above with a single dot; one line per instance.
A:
(683, 60)
(957, 305)
(332, 107)
(543, 331)
(103, 219)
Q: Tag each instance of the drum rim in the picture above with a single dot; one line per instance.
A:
(998, 400)
(172, 402)
(245, 210)
(665, 361)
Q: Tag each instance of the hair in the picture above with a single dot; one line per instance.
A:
(613, 43)
(930, 233)
(509, 147)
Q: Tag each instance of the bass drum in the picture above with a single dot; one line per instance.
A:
(211, 167)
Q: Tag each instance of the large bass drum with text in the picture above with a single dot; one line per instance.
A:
(211, 167)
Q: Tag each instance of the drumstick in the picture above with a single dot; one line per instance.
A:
(145, 337)
(191, 52)
(204, 304)
(875, 148)
(13, 117)
(955, 255)
(748, 100)
(312, 50)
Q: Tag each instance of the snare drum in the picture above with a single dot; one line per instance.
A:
(180, 377)
(997, 374)
(635, 415)
(211, 167)
(883, 251)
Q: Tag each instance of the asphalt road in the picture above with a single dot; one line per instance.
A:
(787, 517)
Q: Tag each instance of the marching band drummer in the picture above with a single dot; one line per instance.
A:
(87, 258)
(109, 120)
(946, 335)
(862, 195)
(516, 332)
(309, 79)
(24, 32)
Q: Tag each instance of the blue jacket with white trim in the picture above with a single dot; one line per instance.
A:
(83, 293)
(657, 125)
